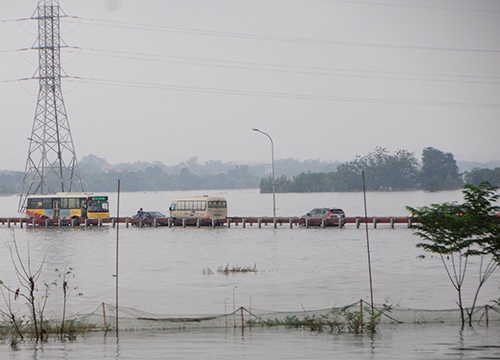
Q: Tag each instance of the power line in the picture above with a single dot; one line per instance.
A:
(285, 68)
(443, 8)
(278, 68)
(278, 95)
(16, 80)
(15, 20)
(147, 27)
(157, 86)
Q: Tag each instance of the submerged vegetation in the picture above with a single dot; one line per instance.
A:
(18, 325)
(226, 270)
(338, 320)
(24, 330)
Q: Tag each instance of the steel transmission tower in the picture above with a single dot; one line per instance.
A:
(52, 164)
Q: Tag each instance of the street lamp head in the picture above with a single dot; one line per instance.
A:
(254, 129)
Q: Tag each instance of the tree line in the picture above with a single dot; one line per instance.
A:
(385, 171)
(100, 176)
(155, 179)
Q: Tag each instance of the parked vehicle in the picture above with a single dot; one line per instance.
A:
(150, 215)
(147, 218)
(199, 207)
(318, 214)
(77, 206)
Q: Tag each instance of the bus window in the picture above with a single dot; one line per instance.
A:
(199, 205)
(218, 204)
(190, 205)
(39, 203)
(97, 206)
(91, 206)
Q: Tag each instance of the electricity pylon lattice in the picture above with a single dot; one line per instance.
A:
(52, 164)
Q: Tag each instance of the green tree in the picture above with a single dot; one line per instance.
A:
(241, 177)
(383, 171)
(458, 231)
(478, 175)
(10, 182)
(312, 182)
(266, 185)
(439, 171)
(348, 178)
(188, 180)
(282, 184)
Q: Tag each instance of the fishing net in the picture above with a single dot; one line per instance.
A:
(347, 317)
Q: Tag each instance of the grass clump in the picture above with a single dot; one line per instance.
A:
(337, 320)
(236, 269)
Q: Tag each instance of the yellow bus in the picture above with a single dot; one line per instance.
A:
(67, 206)
(199, 207)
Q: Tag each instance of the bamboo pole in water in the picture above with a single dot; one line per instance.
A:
(104, 317)
(368, 242)
(117, 242)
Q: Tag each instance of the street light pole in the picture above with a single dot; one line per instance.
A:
(272, 164)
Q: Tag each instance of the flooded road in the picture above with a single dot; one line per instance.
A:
(165, 271)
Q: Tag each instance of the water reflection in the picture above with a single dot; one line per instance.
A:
(437, 341)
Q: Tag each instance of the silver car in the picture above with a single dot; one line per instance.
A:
(325, 213)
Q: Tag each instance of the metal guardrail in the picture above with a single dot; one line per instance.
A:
(230, 221)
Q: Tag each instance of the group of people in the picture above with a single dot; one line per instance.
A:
(140, 214)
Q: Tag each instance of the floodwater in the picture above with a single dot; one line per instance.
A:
(165, 271)
(402, 342)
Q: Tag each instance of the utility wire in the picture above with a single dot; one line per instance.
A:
(16, 80)
(15, 20)
(135, 26)
(158, 86)
(278, 68)
(284, 68)
(382, 4)
(277, 95)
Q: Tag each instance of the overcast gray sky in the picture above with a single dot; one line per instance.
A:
(162, 80)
